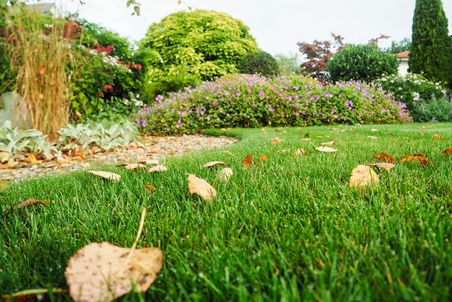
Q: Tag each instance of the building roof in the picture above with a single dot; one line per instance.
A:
(403, 55)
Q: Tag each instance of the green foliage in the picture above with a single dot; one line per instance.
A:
(431, 50)
(288, 65)
(411, 89)
(189, 47)
(259, 62)
(255, 101)
(13, 141)
(362, 63)
(400, 46)
(437, 110)
(106, 136)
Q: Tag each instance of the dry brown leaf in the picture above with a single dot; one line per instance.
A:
(32, 201)
(363, 176)
(134, 167)
(32, 159)
(305, 139)
(5, 156)
(158, 168)
(263, 158)
(150, 188)
(372, 137)
(201, 187)
(106, 175)
(385, 157)
(421, 133)
(328, 144)
(276, 140)
(104, 272)
(326, 149)
(386, 166)
(416, 158)
(448, 151)
(213, 164)
(150, 162)
(248, 161)
(437, 136)
(300, 152)
(224, 174)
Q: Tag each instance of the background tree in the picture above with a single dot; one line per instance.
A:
(399, 46)
(260, 62)
(188, 47)
(288, 64)
(431, 50)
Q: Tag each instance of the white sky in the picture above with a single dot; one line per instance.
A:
(276, 24)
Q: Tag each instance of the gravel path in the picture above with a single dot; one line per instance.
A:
(148, 148)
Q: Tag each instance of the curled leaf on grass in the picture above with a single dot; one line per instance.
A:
(363, 176)
(299, 152)
(104, 272)
(224, 174)
(150, 188)
(33, 201)
(411, 158)
(385, 166)
(328, 144)
(448, 151)
(326, 149)
(421, 133)
(248, 161)
(134, 167)
(305, 139)
(372, 137)
(437, 136)
(276, 140)
(158, 168)
(384, 157)
(213, 164)
(106, 175)
(150, 162)
(201, 187)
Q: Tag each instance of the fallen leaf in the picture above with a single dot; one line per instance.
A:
(326, 149)
(201, 187)
(300, 152)
(305, 139)
(42, 70)
(33, 201)
(32, 159)
(149, 162)
(372, 137)
(5, 156)
(263, 157)
(276, 140)
(416, 158)
(106, 175)
(158, 168)
(448, 151)
(213, 164)
(421, 133)
(437, 136)
(224, 174)
(104, 272)
(373, 130)
(385, 157)
(386, 166)
(134, 167)
(328, 144)
(363, 176)
(248, 161)
(150, 188)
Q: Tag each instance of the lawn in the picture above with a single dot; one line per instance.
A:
(287, 229)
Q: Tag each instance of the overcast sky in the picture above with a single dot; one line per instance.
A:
(276, 24)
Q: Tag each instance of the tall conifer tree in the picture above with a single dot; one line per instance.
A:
(431, 49)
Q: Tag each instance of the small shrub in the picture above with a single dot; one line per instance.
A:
(410, 89)
(438, 110)
(255, 101)
(361, 63)
(259, 63)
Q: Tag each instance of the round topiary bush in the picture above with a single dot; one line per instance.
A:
(259, 62)
(361, 63)
(189, 47)
(256, 101)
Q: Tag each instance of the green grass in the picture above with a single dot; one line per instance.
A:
(289, 229)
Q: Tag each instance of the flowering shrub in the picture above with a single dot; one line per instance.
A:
(254, 101)
(411, 88)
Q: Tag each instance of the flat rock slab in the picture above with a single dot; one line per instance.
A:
(150, 147)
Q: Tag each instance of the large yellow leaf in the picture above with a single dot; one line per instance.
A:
(201, 187)
(363, 176)
(104, 272)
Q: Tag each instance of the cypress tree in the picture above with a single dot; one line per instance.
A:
(431, 48)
